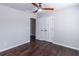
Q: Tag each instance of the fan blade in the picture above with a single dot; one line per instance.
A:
(48, 8)
(40, 5)
(34, 4)
(35, 11)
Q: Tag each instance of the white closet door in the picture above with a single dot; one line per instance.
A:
(49, 29)
(45, 29)
(41, 29)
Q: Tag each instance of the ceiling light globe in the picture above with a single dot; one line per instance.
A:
(40, 9)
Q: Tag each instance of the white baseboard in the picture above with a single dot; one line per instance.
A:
(67, 46)
(12, 46)
(25, 42)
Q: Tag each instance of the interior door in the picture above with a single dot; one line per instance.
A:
(45, 29)
(41, 29)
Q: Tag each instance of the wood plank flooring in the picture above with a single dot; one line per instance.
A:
(40, 48)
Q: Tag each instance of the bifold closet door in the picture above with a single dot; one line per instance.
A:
(45, 29)
(41, 29)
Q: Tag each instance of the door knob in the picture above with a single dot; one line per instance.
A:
(41, 30)
(45, 30)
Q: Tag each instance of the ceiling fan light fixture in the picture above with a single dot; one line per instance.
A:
(40, 10)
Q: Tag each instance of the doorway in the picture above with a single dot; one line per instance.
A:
(32, 29)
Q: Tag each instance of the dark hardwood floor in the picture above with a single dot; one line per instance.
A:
(40, 48)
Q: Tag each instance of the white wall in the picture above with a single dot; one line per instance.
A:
(67, 27)
(14, 27)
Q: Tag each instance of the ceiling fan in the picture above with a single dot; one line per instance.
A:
(39, 6)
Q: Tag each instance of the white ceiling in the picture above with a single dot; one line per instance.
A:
(57, 5)
(20, 6)
(30, 7)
